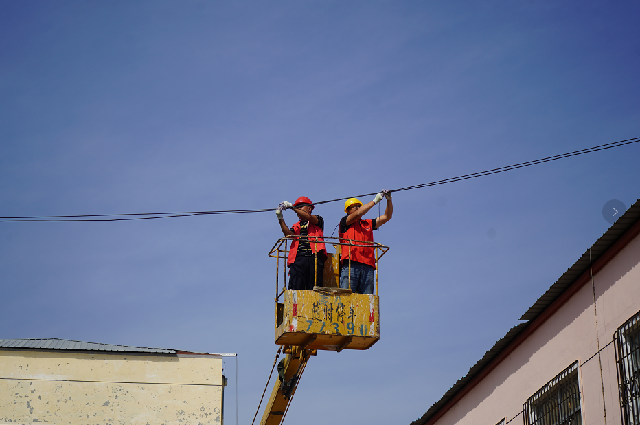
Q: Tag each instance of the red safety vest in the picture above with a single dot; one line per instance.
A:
(360, 230)
(315, 234)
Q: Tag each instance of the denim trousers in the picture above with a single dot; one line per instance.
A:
(362, 278)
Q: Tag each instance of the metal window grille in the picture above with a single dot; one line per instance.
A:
(558, 402)
(627, 339)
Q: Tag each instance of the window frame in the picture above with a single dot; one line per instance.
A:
(566, 387)
(628, 368)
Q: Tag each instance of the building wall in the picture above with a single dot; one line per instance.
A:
(572, 333)
(95, 388)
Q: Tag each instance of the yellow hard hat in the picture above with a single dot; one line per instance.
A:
(349, 202)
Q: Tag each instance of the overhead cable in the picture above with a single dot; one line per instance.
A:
(155, 215)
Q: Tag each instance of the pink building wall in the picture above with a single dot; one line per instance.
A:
(570, 334)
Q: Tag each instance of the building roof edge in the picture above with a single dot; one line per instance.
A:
(617, 236)
(57, 344)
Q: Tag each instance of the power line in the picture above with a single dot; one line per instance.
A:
(156, 215)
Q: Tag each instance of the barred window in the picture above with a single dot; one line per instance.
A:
(558, 402)
(627, 339)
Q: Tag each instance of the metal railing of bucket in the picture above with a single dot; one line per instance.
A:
(280, 251)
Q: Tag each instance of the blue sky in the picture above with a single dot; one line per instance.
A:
(139, 106)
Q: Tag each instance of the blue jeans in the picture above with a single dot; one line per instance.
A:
(362, 278)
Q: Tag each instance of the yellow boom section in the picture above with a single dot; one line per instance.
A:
(289, 371)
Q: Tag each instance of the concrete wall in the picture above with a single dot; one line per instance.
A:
(94, 388)
(568, 335)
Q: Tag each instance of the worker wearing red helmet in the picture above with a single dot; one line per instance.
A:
(357, 261)
(307, 253)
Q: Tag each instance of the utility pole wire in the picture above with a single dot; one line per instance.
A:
(152, 216)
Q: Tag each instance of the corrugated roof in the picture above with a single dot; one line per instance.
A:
(67, 344)
(591, 255)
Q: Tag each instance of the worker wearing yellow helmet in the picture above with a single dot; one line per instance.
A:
(357, 259)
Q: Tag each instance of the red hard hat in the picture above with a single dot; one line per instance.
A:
(303, 200)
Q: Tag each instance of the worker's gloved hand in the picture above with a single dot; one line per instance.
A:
(378, 198)
(386, 193)
(286, 205)
(279, 213)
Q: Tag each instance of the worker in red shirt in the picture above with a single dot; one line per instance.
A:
(307, 253)
(358, 261)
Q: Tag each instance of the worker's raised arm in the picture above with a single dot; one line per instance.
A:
(304, 215)
(283, 226)
(355, 215)
(388, 212)
(285, 230)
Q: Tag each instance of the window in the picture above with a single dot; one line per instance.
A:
(627, 339)
(558, 402)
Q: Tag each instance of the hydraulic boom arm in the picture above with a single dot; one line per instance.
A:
(289, 371)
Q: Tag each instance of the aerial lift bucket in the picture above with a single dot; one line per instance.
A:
(327, 318)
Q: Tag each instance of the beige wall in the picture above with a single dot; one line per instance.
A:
(91, 388)
(568, 335)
